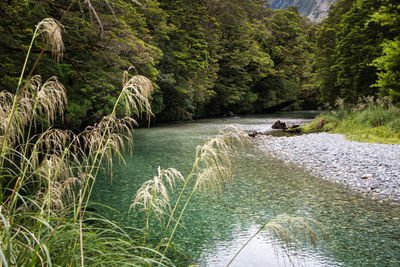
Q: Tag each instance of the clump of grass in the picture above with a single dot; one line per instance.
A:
(46, 178)
(369, 121)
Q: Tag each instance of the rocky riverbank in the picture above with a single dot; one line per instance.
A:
(367, 168)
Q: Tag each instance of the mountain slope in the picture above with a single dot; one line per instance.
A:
(315, 10)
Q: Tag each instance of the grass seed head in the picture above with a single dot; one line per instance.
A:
(153, 196)
(51, 29)
(214, 165)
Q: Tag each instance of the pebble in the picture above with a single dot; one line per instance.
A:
(365, 167)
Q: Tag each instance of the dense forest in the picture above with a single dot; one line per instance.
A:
(207, 58)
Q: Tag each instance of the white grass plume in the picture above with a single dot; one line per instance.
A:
(136, 93)
(153, 196)
(51, 29)
(213, 159)
(36, 101)
(59, 183)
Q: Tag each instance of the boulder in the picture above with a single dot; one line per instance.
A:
(279, 125)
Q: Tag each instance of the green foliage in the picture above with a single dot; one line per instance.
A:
(326, 45)
(363, 59)
(289, 42)
(388, 63)
(243, 61)
(368, 121)
(187, 70)
(95, 54)
(207, 58)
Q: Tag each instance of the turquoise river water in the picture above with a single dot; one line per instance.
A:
(361, 231)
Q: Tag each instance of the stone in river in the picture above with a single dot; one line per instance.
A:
(366, 176)
(279, 125)
(374, 186)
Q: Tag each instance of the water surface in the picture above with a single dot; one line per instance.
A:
(362, 231)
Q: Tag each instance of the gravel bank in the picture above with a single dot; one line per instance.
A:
(370, 168)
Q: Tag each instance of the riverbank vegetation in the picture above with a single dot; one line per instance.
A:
(369, 121)
(356, 53)
(47, 174)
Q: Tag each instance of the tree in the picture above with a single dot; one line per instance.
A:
(288, 40)
(187, 69)
(388, 63)
(108, 40)
(326, 38)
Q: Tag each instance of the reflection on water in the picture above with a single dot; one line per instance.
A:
(362, 232)
(261, 251)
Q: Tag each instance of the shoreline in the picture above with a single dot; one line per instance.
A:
(372, 169)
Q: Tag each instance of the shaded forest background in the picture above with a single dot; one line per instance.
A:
(208, 57)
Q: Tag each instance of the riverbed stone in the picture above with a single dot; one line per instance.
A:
(366, 176)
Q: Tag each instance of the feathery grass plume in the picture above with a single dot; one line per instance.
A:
(6, 100)
(51, 99)
(51, 29)
(110, 137)
(153, 194)
(59, 177)
(213, 159)
(211, 169)
(38, 100)
(135, 94)
(292, 231)
(56, 140)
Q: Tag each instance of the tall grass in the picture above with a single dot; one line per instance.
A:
(369, 120)
(46, 177)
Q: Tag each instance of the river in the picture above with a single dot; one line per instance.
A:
(361, 231)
